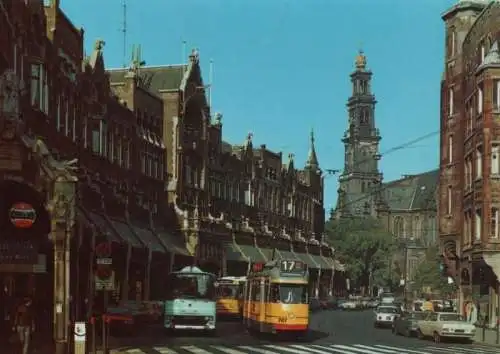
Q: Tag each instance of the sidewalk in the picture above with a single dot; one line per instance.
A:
(490, 337)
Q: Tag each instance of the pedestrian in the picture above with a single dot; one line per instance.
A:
(24, 323)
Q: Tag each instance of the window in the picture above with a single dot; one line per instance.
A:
(479, 163)
(58, 113)
(449, 203)
(477, 225)
(39, 87)
(66, 117)
(483, 52)
(495, 149)
(452, 44)
(467, 228)
(451, 99)
(496, 95)
(494, 223)
(480, 100)
(450, 149)
(96, 142)
(466, 174)
(85, 132)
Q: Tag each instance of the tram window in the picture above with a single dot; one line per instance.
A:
(227, 291)
(256, 291)
(289, 293)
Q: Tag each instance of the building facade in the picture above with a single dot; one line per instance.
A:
(468, 205)
(130, 166)
(232, 204)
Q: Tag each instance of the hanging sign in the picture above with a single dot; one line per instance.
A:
(22, 215)
(80, 332)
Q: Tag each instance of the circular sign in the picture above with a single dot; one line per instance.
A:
(103, 250)
(22, 215)
(103, 271)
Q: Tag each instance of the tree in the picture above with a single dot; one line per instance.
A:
(364, 245)
(429, 275)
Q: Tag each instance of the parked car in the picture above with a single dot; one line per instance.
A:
(448, 325)
(407, 323)
(384, 315)
(349, 305)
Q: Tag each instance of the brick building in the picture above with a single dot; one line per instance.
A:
(79, 165)
(469, 164)
(231, 204)
(83, 160)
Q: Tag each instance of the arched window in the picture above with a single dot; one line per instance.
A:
(398, 227)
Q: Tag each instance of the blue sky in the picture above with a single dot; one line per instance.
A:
(281, 67)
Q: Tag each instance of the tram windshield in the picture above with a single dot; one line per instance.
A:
(289, 293)
(228, 291)
(190, 286)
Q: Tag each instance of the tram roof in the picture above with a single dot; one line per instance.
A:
(243, 278)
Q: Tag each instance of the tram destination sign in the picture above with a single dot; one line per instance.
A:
(292, 267)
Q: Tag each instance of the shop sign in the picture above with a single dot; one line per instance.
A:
(17, 252)
(22, 215)
(107, 283)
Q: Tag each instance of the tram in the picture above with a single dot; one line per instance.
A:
(230, 296)
(276, 297)
(191, 302)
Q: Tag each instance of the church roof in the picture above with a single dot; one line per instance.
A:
(416, 192)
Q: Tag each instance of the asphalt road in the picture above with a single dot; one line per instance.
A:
(332, 332)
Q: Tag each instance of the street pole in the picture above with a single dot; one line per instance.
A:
(62, 209)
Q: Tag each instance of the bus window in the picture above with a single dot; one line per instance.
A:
(289, 293)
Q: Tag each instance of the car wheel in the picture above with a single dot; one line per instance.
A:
(436, 337)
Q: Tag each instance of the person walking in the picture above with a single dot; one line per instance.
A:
(24, 323)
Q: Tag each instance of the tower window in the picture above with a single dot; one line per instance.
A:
(451, 102)
(496, 95)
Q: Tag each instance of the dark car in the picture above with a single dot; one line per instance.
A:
(406, 323)
(314, 304)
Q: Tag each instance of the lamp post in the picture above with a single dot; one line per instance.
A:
(62, 208)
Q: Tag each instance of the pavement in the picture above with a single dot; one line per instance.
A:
(490, 337)
(332, 332)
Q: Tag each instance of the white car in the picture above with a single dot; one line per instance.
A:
(439, 325)
(384, 315)
(349, 305)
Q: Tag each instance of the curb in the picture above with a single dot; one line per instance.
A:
(494, 345)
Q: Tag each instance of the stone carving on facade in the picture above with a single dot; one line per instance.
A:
(284, 234)
(300, 237)
(265, 228)
(213, 219)
(245, 224)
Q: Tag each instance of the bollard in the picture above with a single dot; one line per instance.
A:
(93, 348)
(484, 331)
(80, 338)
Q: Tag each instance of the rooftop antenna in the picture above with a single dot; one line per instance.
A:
(124, 32)
(210, 82)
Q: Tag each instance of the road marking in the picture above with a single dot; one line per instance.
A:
(227, 350)
(398, 349)
(195, 350)
(164, 350)
(309, 349)
(258, 350)
(330, 349)
(359, 350)
(290, 350)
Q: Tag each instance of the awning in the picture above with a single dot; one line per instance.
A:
(125, 232)
(174, 244)
(148, 238)
(330, 261)
(102, 226)
(320, 261)
(338, 266)
(307, 259)
(234, 253)
(254, 254)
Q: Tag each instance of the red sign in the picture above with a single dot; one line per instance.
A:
(104, 271)
(257, 267)
(22, 215)
(103, 250)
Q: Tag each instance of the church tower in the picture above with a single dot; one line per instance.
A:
(361, 143)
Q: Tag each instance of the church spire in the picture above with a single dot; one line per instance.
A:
(312, 159)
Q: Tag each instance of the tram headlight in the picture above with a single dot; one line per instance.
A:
(209, 318)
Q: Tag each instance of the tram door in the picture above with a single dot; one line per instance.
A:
(255, 298)
(264, 290)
